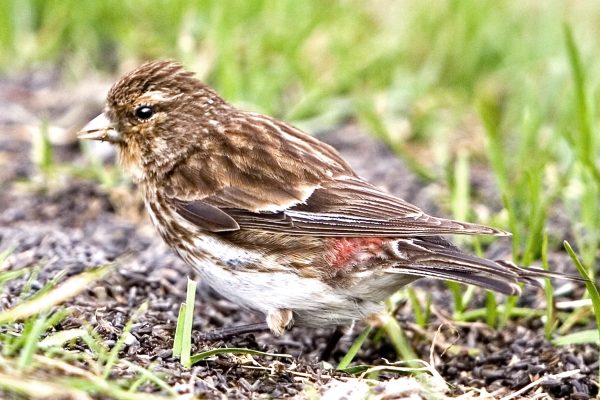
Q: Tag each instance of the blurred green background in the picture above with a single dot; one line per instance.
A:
(449, 85)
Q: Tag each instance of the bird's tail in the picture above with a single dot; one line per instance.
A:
(435, 257)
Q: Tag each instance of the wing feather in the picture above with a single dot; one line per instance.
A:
(293, 184)
(349, 207)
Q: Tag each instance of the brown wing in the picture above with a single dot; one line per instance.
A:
(260, 173)
(344, 207)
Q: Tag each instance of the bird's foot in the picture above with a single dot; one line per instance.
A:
(280, 320)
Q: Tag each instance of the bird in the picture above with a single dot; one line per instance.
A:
(272, 218)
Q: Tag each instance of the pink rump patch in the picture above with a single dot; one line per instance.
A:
(342, 251)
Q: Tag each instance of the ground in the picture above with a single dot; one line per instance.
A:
(63, 223)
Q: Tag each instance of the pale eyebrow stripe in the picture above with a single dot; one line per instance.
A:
(159, 96)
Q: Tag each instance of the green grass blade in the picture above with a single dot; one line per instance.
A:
(585, 143)
(353, 350)
(232, 350)
(60, 338)
(421, 312)
(550, 323)
(186, 340)
(150, 377)
(42, 153)
(481, 314)
(178, 340)
(581, 337)
(66, 290)
(398, 339)
(31, 341)
(589, 284)
(10, 275)
(491, 306)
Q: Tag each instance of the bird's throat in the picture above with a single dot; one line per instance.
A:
(130, 159)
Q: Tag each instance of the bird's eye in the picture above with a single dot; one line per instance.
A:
(144, 112)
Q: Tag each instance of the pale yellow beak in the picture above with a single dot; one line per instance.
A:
(100, 128)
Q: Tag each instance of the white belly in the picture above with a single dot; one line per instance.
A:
(313, 302)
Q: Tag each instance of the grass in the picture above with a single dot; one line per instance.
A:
(40, 359)
(592, 290)
(504, 87)
(183, 334)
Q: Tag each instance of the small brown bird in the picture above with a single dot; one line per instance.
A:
(273, 219)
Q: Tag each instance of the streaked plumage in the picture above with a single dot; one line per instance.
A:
(274, 219)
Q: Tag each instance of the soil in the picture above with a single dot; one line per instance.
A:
(68, 225)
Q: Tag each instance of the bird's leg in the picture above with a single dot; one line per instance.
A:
(278, 321)
(232, 331)
(332, 342)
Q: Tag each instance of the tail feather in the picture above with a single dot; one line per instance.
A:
(532, 275)
(485, 281)
(436, 257)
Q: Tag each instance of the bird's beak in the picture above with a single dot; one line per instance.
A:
(100, 128)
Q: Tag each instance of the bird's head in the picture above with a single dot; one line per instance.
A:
(155, 115)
